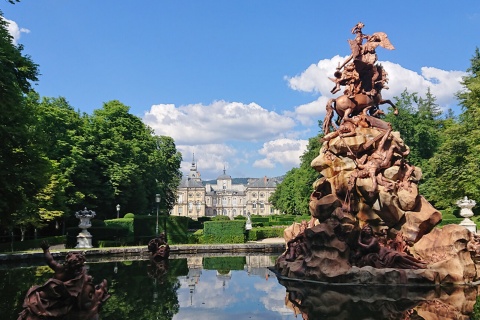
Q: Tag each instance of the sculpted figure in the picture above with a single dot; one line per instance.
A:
(70, 294)
(349, 78)
(159, 248)
(373, 254)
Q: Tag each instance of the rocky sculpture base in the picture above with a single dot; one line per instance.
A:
(359, 192)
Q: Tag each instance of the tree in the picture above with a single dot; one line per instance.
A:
(456, 166)
(23, 167)
(127, 164)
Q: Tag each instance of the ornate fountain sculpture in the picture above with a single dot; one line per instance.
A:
(84, 238)
(369, 223)
(466, 212)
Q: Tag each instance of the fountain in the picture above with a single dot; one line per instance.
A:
(84, 238)
(466, 212)
(369, 223)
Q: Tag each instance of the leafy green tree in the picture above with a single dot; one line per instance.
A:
(456, 166)
(419, 123)
(60, 128)
(23, 168)
(127, 164)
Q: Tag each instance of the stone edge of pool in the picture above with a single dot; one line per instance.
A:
(249, 247)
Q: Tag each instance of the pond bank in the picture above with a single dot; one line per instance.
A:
(275, 245)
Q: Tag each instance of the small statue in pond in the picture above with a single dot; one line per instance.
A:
(371, 253)
(159, 248)
(69, 294)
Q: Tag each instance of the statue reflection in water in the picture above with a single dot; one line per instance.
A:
(320, 301)
(159, 253)
(69, 294)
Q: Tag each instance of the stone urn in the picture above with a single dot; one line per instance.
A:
(84, 238)
(466, 212)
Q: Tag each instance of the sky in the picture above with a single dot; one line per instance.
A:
(239, 85)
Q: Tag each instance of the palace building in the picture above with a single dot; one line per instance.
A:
(196, 199)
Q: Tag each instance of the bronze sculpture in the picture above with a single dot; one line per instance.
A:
(159, 248)
(69, 294)
(371, 222)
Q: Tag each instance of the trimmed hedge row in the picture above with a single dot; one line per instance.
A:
(224, 263)
(230, 231)
(30, 244)
(264, 232)
(98, 234)
(144, 228)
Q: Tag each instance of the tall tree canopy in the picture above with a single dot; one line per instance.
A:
(127, 164)
(23, 168)
(455, 168)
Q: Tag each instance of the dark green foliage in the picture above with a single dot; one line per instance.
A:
(224, 232)
(454, 171)
(31, 244)
(24, 170)
(240, 218)
(265, 232)
(125, 223)
(224, 263)
(220, 218)
(259, 219)
(144, 228)
(118, 234)
(419, 124)
(129, 216)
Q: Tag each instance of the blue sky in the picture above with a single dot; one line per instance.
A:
(239, 83)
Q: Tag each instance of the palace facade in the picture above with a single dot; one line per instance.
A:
(195, 200)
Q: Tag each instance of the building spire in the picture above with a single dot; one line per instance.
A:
(224, 169)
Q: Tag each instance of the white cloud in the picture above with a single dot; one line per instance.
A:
(443, 84)
(315, 77)
(214, 132)
(15, 31)
(213, 158)
(309, 113)
(283, 151)
(218, 122)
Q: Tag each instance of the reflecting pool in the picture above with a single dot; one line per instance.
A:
(238, 287)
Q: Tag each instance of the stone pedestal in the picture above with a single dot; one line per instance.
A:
(84, 238)
(466, 212)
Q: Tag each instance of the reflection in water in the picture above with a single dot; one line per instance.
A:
(240, 287)
(326, 301)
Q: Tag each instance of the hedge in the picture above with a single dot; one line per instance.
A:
(98, 234)
(144, 228)
(224, 264)
(262, 233)
(224, 232)
(126, 223)
(31, 244)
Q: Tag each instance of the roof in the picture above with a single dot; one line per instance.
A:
(190, 183)
(263, 183)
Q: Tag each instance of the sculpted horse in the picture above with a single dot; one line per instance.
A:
(346, 107)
